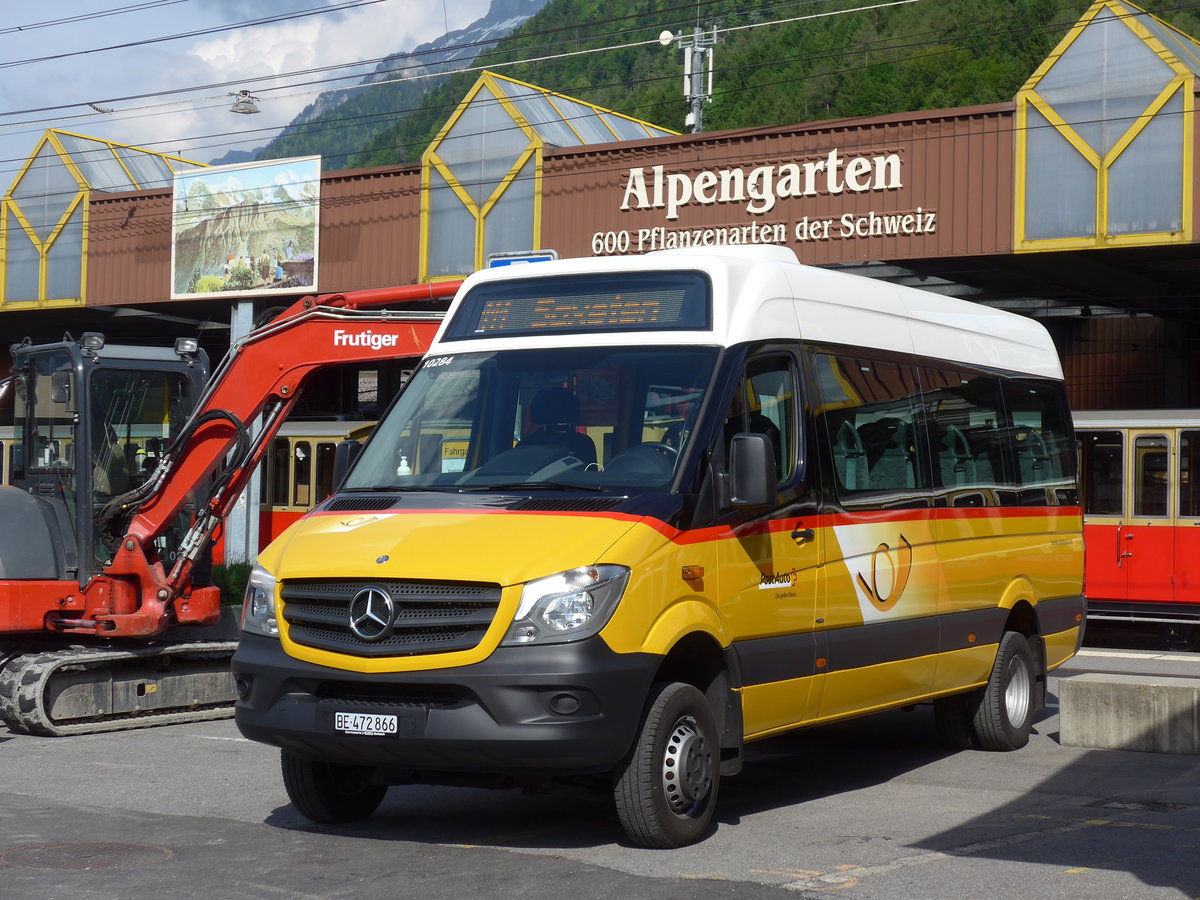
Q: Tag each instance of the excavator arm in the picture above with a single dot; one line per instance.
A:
(261, 376)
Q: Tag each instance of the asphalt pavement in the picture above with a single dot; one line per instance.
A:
(874, 808)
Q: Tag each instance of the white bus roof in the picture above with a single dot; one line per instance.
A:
(763, 293)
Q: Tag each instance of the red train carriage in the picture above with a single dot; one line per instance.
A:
(1140, 481)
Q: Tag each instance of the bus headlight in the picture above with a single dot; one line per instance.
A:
(258, 607)
(567, 606)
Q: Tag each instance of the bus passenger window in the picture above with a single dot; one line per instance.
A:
(875, 440)
(971, 453)
(1101, 464)
(1150, 477)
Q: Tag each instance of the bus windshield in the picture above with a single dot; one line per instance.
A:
(603, 419)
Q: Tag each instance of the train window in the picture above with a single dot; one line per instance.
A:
(1101, 468)
(324, 483)
(1150, 476)
(1189, 466)
(302, 474)
(280, 469)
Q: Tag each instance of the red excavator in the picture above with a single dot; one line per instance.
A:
(130, 459)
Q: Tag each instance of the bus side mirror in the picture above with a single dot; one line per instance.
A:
(344, 455)
(751, 470)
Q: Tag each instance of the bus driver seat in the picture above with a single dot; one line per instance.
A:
(555, 412)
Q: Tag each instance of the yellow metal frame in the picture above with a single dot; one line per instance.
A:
(431, 161)
(12, 214)
(1183, 83)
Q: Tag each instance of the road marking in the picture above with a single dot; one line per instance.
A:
(217, 737)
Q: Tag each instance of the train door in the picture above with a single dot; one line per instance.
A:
(1129, 514)
(1187, 520)
(1147, 543)
(1102, 475)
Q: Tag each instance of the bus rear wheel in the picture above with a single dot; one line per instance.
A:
(999, 715)
(666, 792)
(330, 793)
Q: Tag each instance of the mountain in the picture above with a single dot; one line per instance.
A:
(833, 61)
(340, 124)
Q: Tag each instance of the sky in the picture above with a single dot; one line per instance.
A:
(51, 68)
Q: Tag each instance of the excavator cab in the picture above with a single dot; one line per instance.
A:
(91, 420)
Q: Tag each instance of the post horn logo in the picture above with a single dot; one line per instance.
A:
(899, 561)
(372, 614)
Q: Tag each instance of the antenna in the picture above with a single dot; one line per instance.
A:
(697, 71)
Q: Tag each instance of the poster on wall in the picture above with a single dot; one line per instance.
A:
(246, 229)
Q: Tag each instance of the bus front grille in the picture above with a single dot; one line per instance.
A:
(388, 617)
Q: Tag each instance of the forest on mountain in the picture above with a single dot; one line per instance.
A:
(836, 59)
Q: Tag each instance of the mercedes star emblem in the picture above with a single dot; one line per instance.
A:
(372, 614)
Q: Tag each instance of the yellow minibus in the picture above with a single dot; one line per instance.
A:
(630, 515)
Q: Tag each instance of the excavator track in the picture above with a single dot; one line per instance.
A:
(85, 690)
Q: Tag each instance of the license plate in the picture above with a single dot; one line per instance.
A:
(371, 724)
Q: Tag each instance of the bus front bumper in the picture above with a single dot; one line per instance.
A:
(554, 710)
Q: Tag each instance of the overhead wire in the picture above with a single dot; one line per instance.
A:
(494, 64)
(736, 157)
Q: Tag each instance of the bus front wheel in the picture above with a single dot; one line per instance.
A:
(666, 792)
(330, 793)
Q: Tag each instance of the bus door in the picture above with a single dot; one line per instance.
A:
(768, 563)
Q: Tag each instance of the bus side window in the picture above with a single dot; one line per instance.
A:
(765, 403)
(875, 441)
(971, 456)
(1041, 436)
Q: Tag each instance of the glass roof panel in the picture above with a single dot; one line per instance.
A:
(540, 114)
(96, 161)
(1186, 49)
(628, 129)
(149, 170)
(583, 119)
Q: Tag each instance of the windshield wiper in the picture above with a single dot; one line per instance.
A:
(532, 486)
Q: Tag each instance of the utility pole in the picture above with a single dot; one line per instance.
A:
(697, 71)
